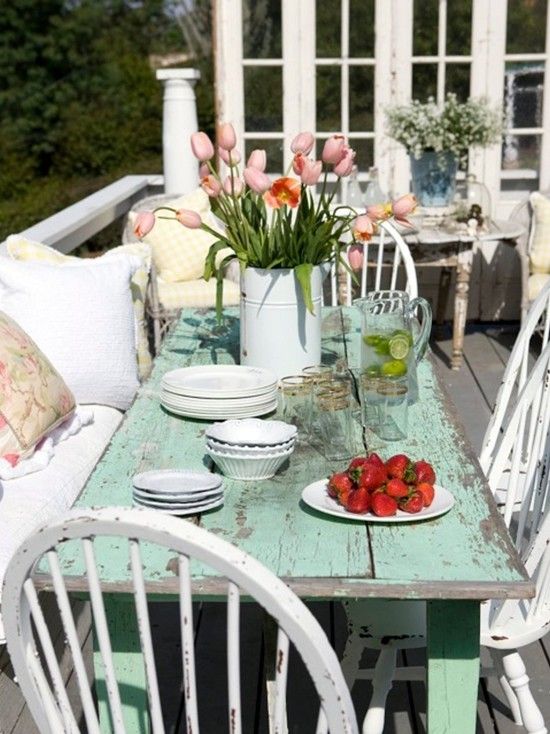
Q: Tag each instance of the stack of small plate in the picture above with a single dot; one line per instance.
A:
(178, 492)
(250, 449)
(219, 391)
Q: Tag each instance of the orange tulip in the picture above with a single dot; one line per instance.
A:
(211, 185)
(284, 191)
(380, 212)
(363, 228)
(298, 163)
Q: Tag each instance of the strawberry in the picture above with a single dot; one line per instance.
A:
(414, 503)
(358, 501)
(427, 492)
(376, 460)
(356, 466)
(397, 488)
(383, 505)
(339, 484)
(372, 477)
(424, 472)
(400, 467)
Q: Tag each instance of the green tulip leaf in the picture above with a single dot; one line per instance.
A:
(303, 274)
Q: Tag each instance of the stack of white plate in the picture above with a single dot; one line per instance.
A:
(178, 492)
(219, 391)
(250, 449)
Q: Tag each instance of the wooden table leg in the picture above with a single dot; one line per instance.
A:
(453, 666)
(128, 663)
(462, 293)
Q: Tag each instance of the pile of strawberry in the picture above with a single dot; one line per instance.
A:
(370, 485)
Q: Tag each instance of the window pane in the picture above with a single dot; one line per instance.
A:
(361, 28)
(526, 26)
(274, 150)
(361, 98)
(364, 150)
(521, 151)
(262, 29)
(459, 26)
(424, 81)
(328, 24)
(263, 88)
(328, 99)
(425, 27)
(457, 80)
(523, 94)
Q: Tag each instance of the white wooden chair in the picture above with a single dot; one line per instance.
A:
(39, 675)
(505, 626)
(535, 327)
(387, 265)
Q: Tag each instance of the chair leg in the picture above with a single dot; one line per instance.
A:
(496, 656)
(373, 722)
(518, 679)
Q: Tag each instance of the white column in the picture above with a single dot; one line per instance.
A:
(181, 173)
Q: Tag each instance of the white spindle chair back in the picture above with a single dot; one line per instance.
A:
(39, 674)
(387, 265)
(535, 331)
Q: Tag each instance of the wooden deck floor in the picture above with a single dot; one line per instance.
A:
(473, 390)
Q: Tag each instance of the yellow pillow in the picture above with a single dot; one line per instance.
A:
(20, 248)
(539, 250)
(197, 293)
(179, 252)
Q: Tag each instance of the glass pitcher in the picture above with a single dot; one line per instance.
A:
(390, 348)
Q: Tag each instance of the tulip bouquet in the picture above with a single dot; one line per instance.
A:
(276, 223)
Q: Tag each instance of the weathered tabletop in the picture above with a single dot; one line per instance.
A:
(454, 561)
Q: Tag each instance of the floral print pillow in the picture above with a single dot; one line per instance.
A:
(34, 399)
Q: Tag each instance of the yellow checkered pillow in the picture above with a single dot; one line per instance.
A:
(196, 293)
(539, 250)
(19, 248)
(179, 253)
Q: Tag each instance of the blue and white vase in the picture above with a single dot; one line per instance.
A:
(434, 178)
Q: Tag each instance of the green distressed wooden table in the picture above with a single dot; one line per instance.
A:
(454, 561)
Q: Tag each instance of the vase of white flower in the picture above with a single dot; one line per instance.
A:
(434, 178)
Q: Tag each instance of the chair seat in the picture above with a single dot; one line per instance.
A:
(537, 281)
(196, 293)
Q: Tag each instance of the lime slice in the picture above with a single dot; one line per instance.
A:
(398, 346)
(373, 370)
(406, 334)
(394, 368)
(371, 340)
(382, 348)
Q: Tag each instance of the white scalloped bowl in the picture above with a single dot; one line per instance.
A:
(250, 468)
(251, 432)
(248, 451)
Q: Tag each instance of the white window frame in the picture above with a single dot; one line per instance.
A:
(393, 64)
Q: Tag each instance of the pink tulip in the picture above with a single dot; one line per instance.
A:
(257, 159)
(344, 166)
(256, 180)
(334, 149)
(298, 163)
(189, 218)
(401, 207)
(363, 228)
(356, 257)
(143, 223)
(302, 143)
(311, 172)
(227, 138)
(380, 212)
(201, 146)
(211, 185)
(229, 157)
(203, 170)
(237, 186)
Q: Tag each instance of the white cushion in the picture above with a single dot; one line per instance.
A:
(36, 498)
(82, 318)
(539, 247)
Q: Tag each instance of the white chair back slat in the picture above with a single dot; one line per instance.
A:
(384, 260)
(61, 703)
(144, 628)
(188, 645)
(233, 658)
(102, 635)
(64, 606)
(244, 575)
(281, 678)
(516, 373)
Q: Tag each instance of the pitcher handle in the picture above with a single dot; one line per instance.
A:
(421, 343)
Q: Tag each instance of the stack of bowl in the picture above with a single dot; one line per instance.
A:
(250, 448)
